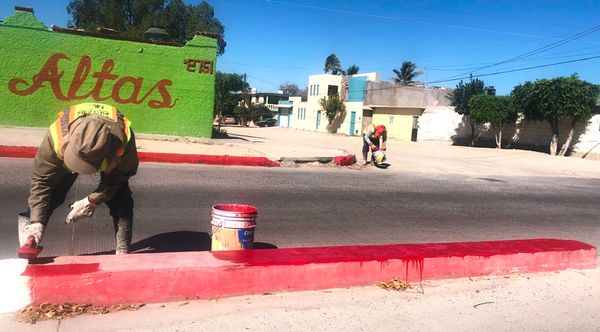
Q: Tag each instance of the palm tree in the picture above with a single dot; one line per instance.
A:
(352, 70)
(332, 63)
(407, 73)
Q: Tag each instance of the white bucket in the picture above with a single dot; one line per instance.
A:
(233, 226)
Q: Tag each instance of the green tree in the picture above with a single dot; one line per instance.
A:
(352, 70)
(495, 110)
(229, 89)
(260, 112)
(460, 96)
(334, 110)
(253, 113)
(556, 99)
(407, 73)
(332, 64)
(291, 89)
(133, 17)
(243, 113)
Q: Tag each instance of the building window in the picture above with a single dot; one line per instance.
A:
(317, 90)
(332, 90)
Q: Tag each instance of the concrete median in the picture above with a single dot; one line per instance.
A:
(145, 278)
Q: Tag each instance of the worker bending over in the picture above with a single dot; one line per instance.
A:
(374, 138)
(85, 139)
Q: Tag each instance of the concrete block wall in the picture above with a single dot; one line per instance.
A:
(438, 123)
(589, 140)
(535, 135)
(388, 94)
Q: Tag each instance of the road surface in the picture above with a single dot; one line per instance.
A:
(316, 206)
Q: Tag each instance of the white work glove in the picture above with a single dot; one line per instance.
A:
(80, 210)
(35, 231)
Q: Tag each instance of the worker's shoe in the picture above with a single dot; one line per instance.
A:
(123, 233)
(27, 230)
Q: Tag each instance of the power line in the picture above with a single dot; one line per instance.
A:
(266, 66)
(480, 14)
(538, 50)
(394, 18)
(496, 73)
(549, 57)
(521, 69)
(263, 81)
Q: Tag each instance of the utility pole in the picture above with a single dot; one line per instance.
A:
(245, 91)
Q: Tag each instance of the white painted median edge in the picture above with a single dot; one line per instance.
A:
(15, 289)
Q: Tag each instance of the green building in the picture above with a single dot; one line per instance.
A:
(163, 88)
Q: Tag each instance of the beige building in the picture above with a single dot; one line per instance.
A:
(402, 108)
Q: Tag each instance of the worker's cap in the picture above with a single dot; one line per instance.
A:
(89, 143)
(379, 130)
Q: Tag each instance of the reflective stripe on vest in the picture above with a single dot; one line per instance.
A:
(60, 128)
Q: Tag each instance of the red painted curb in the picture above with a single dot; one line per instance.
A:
(346, 160)
(144, 278)
(17, 151)
(206, 159)
(29, 152)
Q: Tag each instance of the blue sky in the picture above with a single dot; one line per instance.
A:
(276, 41)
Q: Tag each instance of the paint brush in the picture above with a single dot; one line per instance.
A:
(29, 250)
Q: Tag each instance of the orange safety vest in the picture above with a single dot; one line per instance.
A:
(60, 128)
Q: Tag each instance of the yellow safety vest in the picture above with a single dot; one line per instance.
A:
(60, 128)
(369, 130)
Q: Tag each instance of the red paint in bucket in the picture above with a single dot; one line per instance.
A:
(235, 208)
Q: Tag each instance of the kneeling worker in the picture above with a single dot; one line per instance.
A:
(85, 139)
(374, 137)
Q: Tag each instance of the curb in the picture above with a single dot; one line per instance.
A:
(29, 152)
(305, 160)
(346, 160)
(162, 277)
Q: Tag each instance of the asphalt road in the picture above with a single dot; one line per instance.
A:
(316, 206)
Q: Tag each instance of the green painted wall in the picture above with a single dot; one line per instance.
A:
(156, 86)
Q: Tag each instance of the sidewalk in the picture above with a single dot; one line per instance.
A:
(565, 301)
(284, 144)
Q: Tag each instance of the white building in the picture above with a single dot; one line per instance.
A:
(269, 99)
(307, 115)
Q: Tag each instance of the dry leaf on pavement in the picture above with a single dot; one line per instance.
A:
(44, 311)
(394, 284)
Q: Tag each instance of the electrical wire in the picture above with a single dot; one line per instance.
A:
(266, 66)
(395, 18)
(263, 81)
(549, 57)
(494, 73)
(537, 50)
